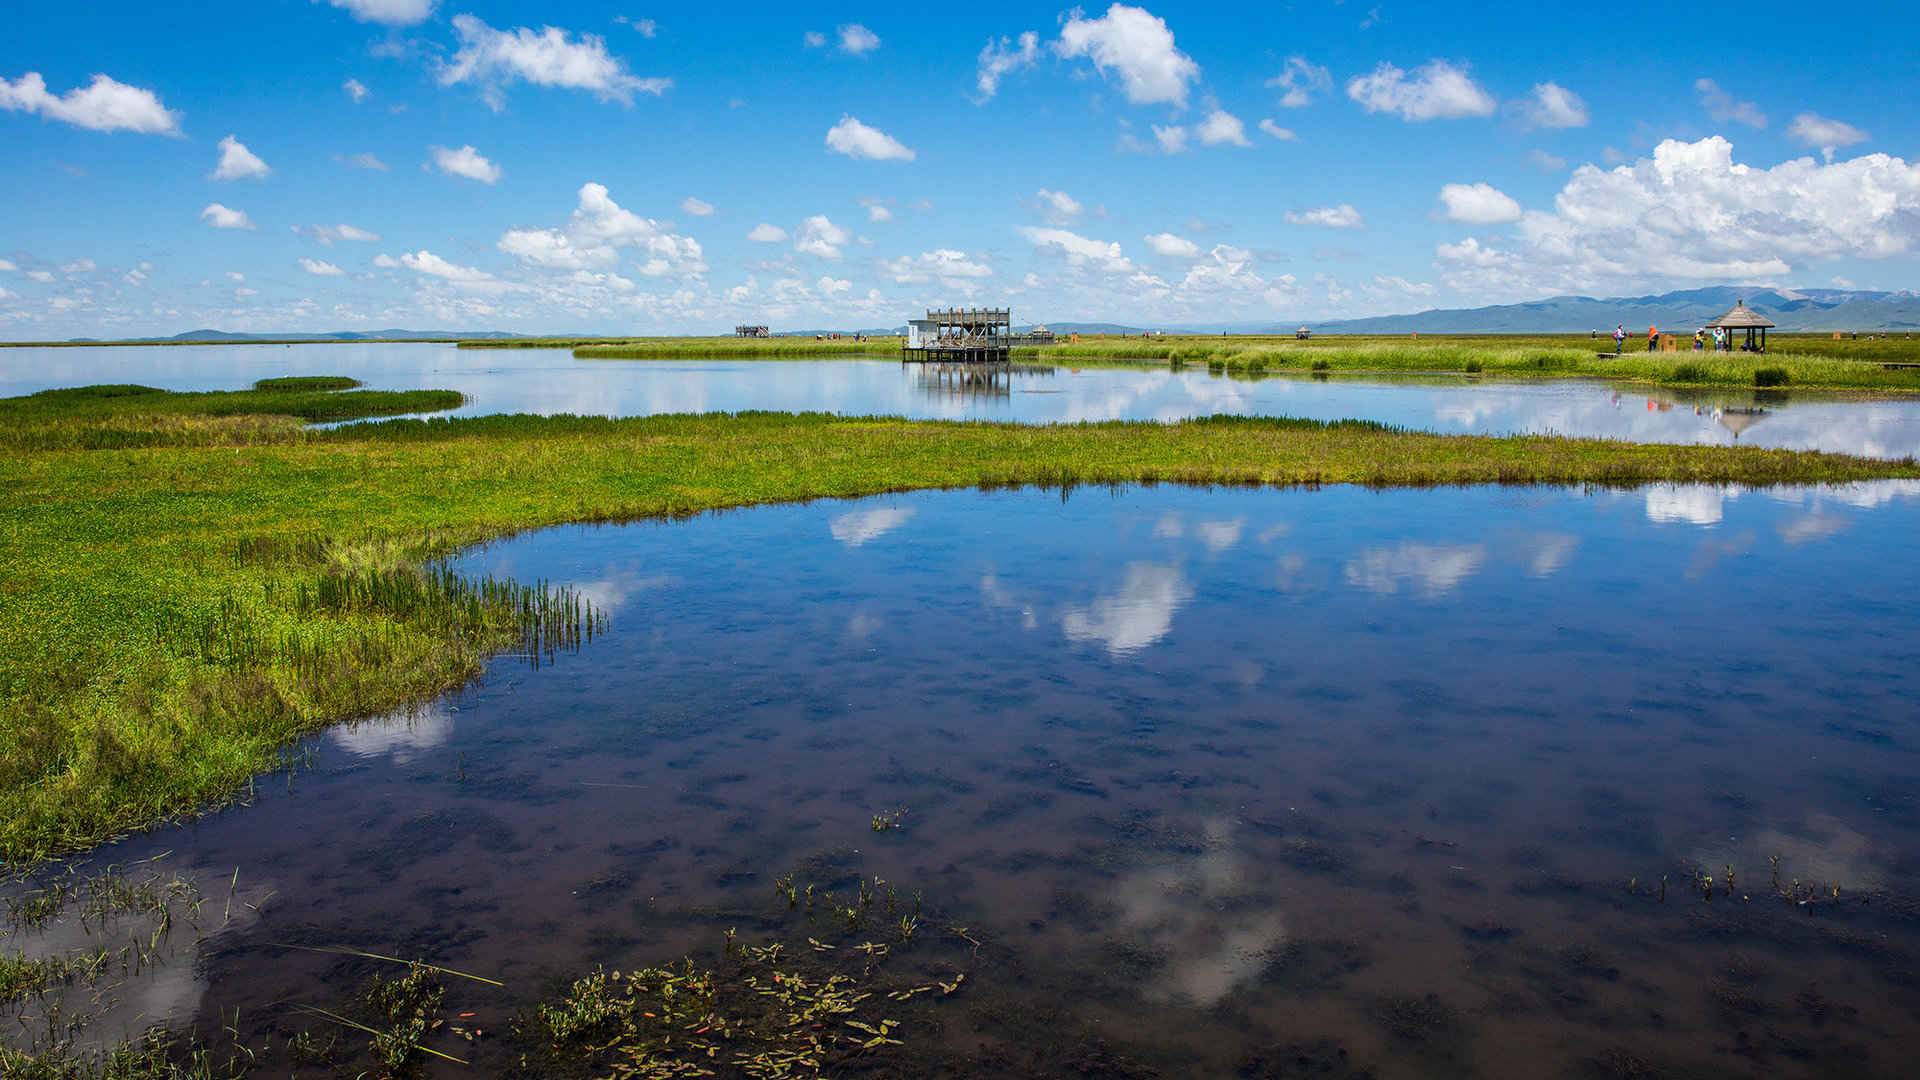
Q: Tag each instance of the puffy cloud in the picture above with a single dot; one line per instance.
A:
(1542, 159)
(767, 233)
(1691, 213)
(1079, 251)
(646, 28)
(597, 231)
(857, 140)
(1329, 217)
(696, 207)
(1135, 44)
(356, 90)
(857, 40)
(1222, 128)
(877, 210)
(1001, 58)
(819, 236)
(222, 217)
(366, 161)
(1058, 207)
(44, 277)
(1299, 81)
(387, 12)
(385, 261)
(104, 105)
(466, 162)
(491, 59)
(1721, 106)
(1551, 106)
(1437, 91)
(327, 234)
(1396, 284)
(321, 267)
(813, 39)
(79, 266)
(237, 162)
(7, 265)
(828, 286)
(1173, 247)
(426, 262)
(1819, 133)
(1283, 134)
(1479, 204)
(1136, 616)
(941, 265)
(1172, 139)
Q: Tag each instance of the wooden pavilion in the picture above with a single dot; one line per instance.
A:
(1745, 318)
(960, 335)
(751, 331)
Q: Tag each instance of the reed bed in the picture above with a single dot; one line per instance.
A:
(128, 416)
(174, 616)
(736, 349)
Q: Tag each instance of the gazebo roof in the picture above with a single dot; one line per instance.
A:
(1741, 317)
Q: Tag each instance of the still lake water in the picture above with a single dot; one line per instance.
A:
(1226, 782)
(553, 381)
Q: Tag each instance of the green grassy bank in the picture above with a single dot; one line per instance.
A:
(173, 610)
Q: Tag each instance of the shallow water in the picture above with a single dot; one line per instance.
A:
(551, 381)
(1226, 782)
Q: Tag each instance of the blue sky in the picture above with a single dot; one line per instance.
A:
(622, 168)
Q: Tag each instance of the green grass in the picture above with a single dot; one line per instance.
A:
(172, 614)
(1808, 362)
(122, 416)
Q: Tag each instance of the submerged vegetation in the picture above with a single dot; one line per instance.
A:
(177, 612)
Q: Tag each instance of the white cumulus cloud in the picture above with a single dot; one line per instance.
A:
(387, 12)
(103, 105)
(1436, 91)
(1283, 134)
(767, 233)
(1690, 213)
(366, 161)
(426, 262)
(1551, 105)
(857, 140)
(696, 207)
(1174, 247)
(857, 39)
(1222, 128)
(1003, 57)
(1058, 207)
(321, 267)
(594, 236)
(1079, 251)
(466, 162)
(1136, 45)
(492, 59)
(941, 265)
(1299, 81)
(1171, 139)
(1819, 133)
(326, 235)
(237, 162)
(222, 217)
(1328, 217)
(356, 90)
(819, 236)
(1479, 204)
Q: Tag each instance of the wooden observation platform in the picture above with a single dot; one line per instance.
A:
(751, 331)
(960, 336)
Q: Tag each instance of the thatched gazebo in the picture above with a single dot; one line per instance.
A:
(1745, 318)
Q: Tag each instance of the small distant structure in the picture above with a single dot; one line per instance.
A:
(1745, 318)
(1039, 335)
(960, 335)
(751, 331)
(1303, 334)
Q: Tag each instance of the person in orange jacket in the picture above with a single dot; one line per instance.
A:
(1653, 338)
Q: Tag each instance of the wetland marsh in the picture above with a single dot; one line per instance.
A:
(1205, 745)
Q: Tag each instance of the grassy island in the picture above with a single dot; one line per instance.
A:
(189, 581)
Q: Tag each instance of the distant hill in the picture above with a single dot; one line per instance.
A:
(1809, 310)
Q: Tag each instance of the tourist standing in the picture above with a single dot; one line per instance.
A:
(1653, 339)
(1619, 338)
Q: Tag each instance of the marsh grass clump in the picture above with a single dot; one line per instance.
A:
(1321, 364)
(307, 382)
(1687, 373)
(1474, 367)
(1772, 376)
